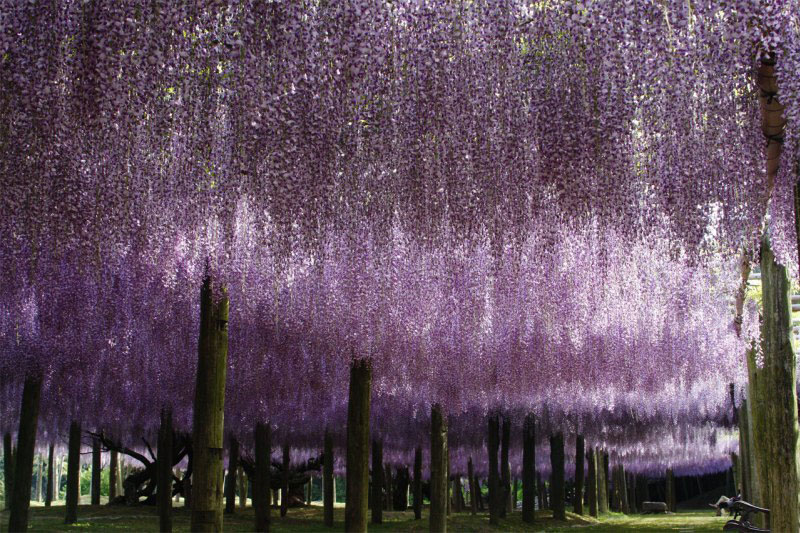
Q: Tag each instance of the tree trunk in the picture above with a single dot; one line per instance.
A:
(591, 483)
(73, 473)
(8, 472)
(355, 512)
(473, 488)
(164, 472)
(505, 471)
(230, 482)
(23, 458)
(261, 481)
(577, 504)
(671, 503)
(623, 489)
(96, 467)
(529, 469)
(418, 483)
(495, 500)
(328, 494)
(631, 484)
(377, 482)
(285, 481)
(557, 489)
(51, 470)
(780, 405)
(388, 484)
(438, 510)
(209, 411)
(602, 482)
(113, 475)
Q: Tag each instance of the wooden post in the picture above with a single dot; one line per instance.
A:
(631, 484)
(505, 470)
(388, 484)
(261, 482)
(529, 469)
(355, 512)
(113, 475)
(377, 482)
(779, 405)
(209, 411)
(418, 483)
(438, 510)
(557, 488)
(23, 458)
(51, 470)
(602, 483)
(230, 482)
(577, 504)
(670, 481)
(73, 473)
(328, 490)
(623, 489)
(591, 483)
(8, 473)
(164, 472)
(495, 500)
(473, 488)
(285, 481)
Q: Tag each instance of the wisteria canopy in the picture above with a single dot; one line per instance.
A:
(504, 205)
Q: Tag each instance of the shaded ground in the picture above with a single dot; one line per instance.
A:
(103, 518)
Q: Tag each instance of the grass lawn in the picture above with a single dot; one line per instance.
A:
(104, 518)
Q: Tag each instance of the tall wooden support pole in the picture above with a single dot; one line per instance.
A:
(631, 484)
(8, 465)
(355, 511)
(473, 488)
(602, 484)
(591, 483)
(328, 495)
(285, 481)
(230, 482)
(670, 490)
(51, 470)
(623, 489)
(243, 483)
(209, 410)
(438, 513)
(418, 483)
(73, 473)
(164, 472)
(113, 475)
(23, 459)
(529, 469)
(261, 481)
(494, 482)
(388, 485)
(377, 482)
(780, 405)
(505, 468)
(577, 504)
(557, 488)
(96, 468)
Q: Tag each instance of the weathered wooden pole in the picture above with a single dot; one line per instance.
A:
(591, 483)
(417, 483)
(8, 465)
(230, 482)
(388, 485)
(529, 469)
(439, 453)
(355, 511)
(48, 499)
(285, 481)
(113, 475)
(780, 405)
(73, 473)
(557, 488)
(261, 481)
(495, 499)
(164, 472)
(209, 410)
(505, 470)
(670, 491)
(623, 489)
(602, 483)
(473, 488)
(96, 467)
(328, 495)
(577, 504)
(377, 481)
(631, 484)
(23, 458)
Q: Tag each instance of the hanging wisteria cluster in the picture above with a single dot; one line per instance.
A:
(505, 206)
